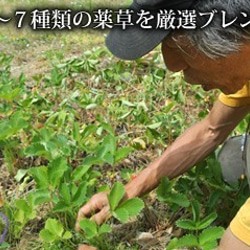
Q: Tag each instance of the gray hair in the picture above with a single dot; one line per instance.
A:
(213, 40)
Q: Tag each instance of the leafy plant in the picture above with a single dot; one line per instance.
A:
(123, 211)
(204, 236)
(54, 231)
(92, 230)
(167, 194)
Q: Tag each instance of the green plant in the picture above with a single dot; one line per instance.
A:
(54, 232)
(122, 211)
(200, 233)
(93, 233)
(167, 194)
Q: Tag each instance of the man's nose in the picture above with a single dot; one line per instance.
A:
(173, 59)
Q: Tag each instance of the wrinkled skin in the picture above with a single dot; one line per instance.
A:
(228, 74)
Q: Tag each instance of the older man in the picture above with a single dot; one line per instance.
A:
(213, 57)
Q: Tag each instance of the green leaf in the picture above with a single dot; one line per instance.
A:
(215, 168)
(179, 199)
(215, 198)
(206, 221)
(23, 205)
(210, 245)
(109, 158)
(187, 241)
(210, 234)
(90, 160)
(40, 174)
(47, 236)
(132, 206)
(155, 125)
(116, 194)
(4, 245)
(56, 170)
(67, 235)
(127, 103)
(102, 151)
(80, 196)
(9, 94)
(169, 107)
(104, 229)
(53, 231)
(76, 131)
(108, 128)
(122, 153)
(91, 106)
(126, 115)
(54, 227)
(110, 143)
(89, 130)
(164, 189)
(62, 206)
(186, 224)
(89, 227)
(121, 214)
(79, 172)
(40, 196)
(64, 191)
(37, 149)
(13, 125)
(172, 244)
(24, 212)
(196, 210)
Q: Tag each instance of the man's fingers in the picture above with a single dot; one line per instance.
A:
(97, 203)
(85, 211)
(102, 216)
(99, 218)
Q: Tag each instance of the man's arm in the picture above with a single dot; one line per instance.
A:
(190, 148)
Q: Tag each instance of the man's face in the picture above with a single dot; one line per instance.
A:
(229, 74)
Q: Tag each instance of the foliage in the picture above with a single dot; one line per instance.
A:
(54, 231)
(62, 133)
(206, 196)
(123, 210)
(204, 235)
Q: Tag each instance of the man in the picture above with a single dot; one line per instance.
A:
(214, 57)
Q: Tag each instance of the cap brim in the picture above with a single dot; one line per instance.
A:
(133, 42)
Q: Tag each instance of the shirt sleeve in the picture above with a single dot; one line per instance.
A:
(240, 98)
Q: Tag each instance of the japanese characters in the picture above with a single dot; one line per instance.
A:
(56, 19)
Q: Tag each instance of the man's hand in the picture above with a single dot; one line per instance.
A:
(97, 209)
(86, 247)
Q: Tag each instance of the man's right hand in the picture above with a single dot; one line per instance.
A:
(97, 208)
